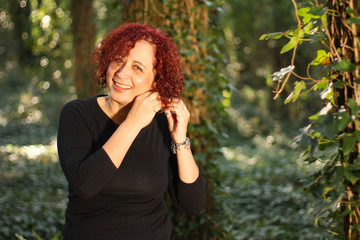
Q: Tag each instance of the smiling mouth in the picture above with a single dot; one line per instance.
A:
(122, 86)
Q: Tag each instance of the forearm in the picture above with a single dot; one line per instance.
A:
(119, 143)
(189, 196)
(188, 169)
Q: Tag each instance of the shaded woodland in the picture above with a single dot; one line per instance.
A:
(258, 184)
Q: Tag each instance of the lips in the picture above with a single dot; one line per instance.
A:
(122, 86)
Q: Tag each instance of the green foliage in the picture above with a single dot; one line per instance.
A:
(33, 192)
(331, 140)
(205, 75)
(35, 82)
(345, 66)
(27, 87)
(298, 87)
(254, 62)
(263, 181)
(257, 191)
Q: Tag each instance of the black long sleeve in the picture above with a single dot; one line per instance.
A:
(124, 203)
(86, 168)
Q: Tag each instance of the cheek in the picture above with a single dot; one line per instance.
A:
(150, 83)
(145, 82)
(107, 78)
(108, 70)
(109, 73)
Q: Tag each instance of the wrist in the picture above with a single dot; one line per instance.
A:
(131, 126)
(177, 146)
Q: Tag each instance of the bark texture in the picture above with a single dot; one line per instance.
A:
(187, 23)
(84, 32)
(344, 36)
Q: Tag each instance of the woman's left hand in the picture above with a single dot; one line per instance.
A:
(178, 118)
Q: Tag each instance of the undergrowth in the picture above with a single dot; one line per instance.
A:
(261, 183)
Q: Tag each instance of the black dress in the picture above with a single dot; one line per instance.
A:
(128, 202)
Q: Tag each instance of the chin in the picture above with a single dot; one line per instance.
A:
(121, 101)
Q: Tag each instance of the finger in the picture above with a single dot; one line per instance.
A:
(170, 119)
(174, 106)
(145, 94)
(175, 101)
(179, 109)
(149, 95)
(150, 98)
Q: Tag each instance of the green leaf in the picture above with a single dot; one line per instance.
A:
(328, 92)
(307, 14)
(290, 45)
(344, 119)
(264, 36)
(303, 11)
(355, 20)
(321, 54)
(356, 135)
(350, 10)
(323, 119)
(351, 177)
(345, 66)
(318, 11)
(307, 18)
(318, 37)
(324, 143)
(321, 85)
(299, 85)
(340, 84)
(353, 167)
(354, 107)
(275, 35)
(306, 30)
(348, 144)
(289, 98)
(310, 160)
(314, 117)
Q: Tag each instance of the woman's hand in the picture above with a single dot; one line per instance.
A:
(178, 118)
(144, 108)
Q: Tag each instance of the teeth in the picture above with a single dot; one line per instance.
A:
(122, 86)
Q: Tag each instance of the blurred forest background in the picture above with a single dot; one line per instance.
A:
(258, 192)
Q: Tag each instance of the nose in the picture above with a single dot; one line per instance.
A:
(123, 72)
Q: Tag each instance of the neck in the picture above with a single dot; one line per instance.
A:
(117, 112)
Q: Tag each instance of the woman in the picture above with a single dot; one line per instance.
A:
(121, 152)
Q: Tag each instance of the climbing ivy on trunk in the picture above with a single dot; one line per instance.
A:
(332, 139)
(194, 26)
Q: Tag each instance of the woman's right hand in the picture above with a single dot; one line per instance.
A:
(142, 112)
(144, 108)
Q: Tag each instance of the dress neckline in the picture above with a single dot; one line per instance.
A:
(107, 116)
(101, 110)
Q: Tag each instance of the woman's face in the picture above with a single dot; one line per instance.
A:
(133, 75)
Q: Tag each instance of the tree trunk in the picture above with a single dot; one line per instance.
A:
(84, 32)
(20, 17)
(345, 37)
(187, 23)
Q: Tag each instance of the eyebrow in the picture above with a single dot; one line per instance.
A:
(140, 64)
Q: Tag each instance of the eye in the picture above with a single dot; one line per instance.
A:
(119, 60)
(136, 67)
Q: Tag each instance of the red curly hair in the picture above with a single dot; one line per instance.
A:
(169, 78)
